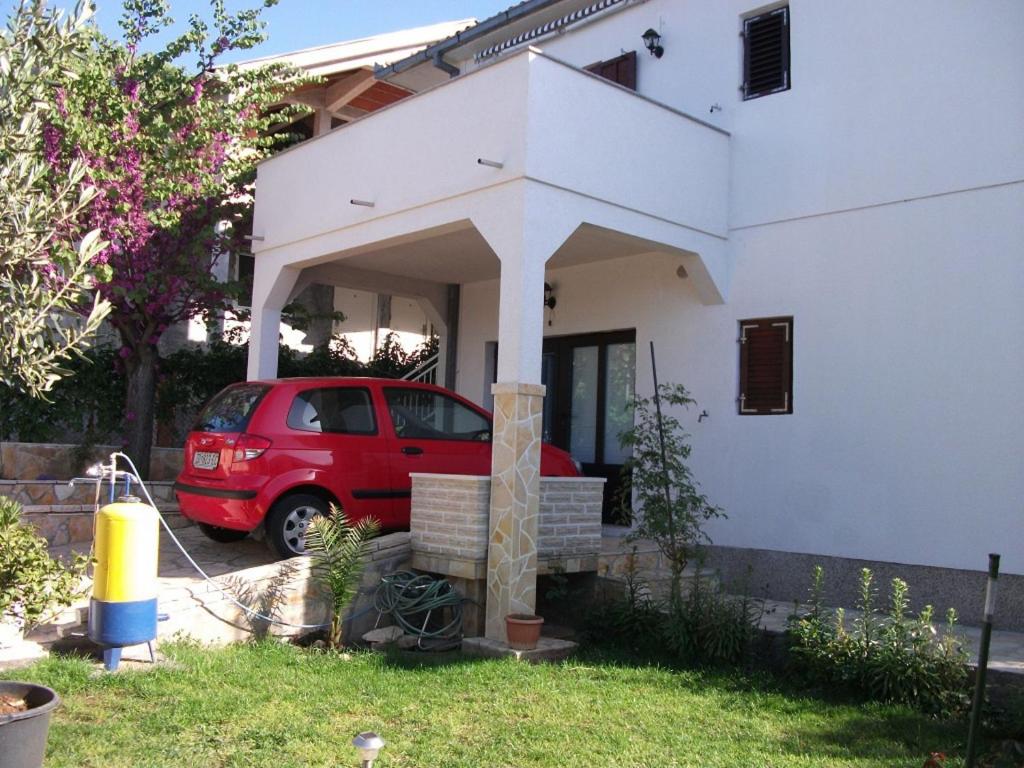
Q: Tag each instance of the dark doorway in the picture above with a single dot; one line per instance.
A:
(590, 382)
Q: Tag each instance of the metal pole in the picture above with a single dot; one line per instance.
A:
(664, 463)
(979, 679)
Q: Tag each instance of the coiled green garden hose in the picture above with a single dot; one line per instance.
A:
(412, 598)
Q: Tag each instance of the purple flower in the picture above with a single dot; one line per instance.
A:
(51, 144)
(131, 89)
(61, 99)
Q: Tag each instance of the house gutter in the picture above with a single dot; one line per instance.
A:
(435, 53)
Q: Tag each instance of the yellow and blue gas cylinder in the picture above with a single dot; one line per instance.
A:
(123, 608)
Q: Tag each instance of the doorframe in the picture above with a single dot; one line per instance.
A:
(561, 346)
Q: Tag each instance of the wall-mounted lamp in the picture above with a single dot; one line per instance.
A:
(549, 296)
(653, 42)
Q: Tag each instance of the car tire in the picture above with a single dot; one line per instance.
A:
(287, 520)
(222, 535)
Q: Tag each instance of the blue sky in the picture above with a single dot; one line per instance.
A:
(295, 24)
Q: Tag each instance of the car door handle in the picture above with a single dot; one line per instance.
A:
(412, 450)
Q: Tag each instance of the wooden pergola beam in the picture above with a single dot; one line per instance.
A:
(339, 94)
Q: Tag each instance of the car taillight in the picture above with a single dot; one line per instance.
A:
(249, 447)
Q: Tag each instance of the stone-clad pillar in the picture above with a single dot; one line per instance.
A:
(515, 503)
(524, 237)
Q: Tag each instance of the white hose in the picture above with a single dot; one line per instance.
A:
(249, 610)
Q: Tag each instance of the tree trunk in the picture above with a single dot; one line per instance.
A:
(139, 406)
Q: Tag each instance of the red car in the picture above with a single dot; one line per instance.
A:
(276, 453)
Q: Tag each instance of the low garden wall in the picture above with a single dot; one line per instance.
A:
(57, 461)
(285, 589)
(449, 524)
(63, 514)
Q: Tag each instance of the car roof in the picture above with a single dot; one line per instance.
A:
(333, 380)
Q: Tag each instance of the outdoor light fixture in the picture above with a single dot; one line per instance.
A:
(549, 296)
(653, 42)
(364, 203)
(368, 744)
(490, 163)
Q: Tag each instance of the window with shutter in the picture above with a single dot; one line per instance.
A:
(621, 70)
(766, 366)
(766, 53)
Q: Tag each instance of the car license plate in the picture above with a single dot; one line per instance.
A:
(205, 460)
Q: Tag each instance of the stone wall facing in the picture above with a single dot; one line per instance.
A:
(449, 524)
(53, 461)
(286, 589)
(63, 514)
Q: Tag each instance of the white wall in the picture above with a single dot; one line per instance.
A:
(408, 321)
(889, 100)
(904, 443)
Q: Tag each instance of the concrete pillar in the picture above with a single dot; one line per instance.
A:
(449, 345)
(271, 287)
(523, 244)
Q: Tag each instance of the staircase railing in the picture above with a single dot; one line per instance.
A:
(425, 372)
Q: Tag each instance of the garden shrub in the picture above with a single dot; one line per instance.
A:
(895, 658)
(32, 582)
(711, 627)
(86, 405)
(704, 627)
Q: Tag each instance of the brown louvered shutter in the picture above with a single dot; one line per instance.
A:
(621, 70)
(766, 366)
(766, 53)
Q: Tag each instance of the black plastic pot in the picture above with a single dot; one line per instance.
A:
(23, 734)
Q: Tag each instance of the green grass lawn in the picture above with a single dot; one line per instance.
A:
(277, 705)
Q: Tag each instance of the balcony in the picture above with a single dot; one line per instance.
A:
(594, 147)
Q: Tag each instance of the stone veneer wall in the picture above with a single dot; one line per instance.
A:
(53, 461)
(449, 525)
(287, 588)
(63, 514)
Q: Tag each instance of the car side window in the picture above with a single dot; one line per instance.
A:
(419, 414)
(337, 410)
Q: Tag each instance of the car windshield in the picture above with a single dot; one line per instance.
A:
(231, 410)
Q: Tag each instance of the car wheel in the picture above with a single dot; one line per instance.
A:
(222, 535)
(287, 522)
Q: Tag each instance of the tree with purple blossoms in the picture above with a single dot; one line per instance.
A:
(170, 140)
(45, 272)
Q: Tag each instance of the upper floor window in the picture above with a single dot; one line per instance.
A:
(621, 70)
(766, 365)
(766, 53)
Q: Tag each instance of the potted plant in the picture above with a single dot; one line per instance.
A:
(32, 582)
(523, 630)
(25, 710)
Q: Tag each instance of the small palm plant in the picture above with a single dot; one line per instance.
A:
(337, 547)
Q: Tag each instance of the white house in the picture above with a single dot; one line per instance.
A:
(814, 210)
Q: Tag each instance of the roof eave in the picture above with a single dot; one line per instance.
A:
(439, 49)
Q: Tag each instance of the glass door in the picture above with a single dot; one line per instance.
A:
(590, 382)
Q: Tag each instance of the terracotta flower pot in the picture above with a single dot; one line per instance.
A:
(523, 631)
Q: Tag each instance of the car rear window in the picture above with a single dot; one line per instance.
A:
(231, 409)
(339, 410)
